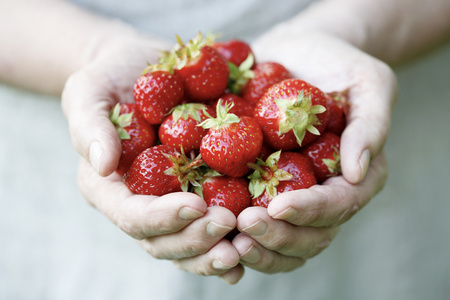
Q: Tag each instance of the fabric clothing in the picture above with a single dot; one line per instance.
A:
(55, 246)
(232, 18)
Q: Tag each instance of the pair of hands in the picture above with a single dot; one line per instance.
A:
(297, 225)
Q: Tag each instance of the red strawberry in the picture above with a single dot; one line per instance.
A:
(204, 71)
(265, 74)
(180, 128)
(156, 93)
(230, 143)
(291, 114)
(135, 133)
(160, 170)
(240, 106)
(324, 154)
(234, 51)
(228, 192)
(281, 172)
(338, 107)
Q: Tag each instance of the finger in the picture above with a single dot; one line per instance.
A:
(282, 237)
(371, 104)
(234, 275)
(196, 239)
(332, 203)
(220, 259)
(137, 215)
(87, 99)
(255, 256)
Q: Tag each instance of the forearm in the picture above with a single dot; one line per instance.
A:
(44, 41)
(391, 30)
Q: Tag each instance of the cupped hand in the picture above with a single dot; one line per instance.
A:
(332, 64)
(298, 225)
(178, 226)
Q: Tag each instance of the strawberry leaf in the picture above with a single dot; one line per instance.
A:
(121, 121)
(223, 117)
(240, 75)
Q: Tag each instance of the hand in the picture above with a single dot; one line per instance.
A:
(176, 227)
(298, 225)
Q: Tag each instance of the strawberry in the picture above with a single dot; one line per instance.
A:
(203, 69)
(180, 129)
(156, 92)
(324, 154)
(240, 106)
(231, 142)
(135, 133)
(265, 74)
(291, 114)
(281, 172)
(160, 170)
(226, 191)
(338, 107)
(235, 51)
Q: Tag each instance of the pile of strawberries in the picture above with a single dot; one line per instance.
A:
(210, 119)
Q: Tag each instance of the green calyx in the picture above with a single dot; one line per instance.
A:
(223, 118)
(209, 173)
(240, 75)
(186, 169)
(333, 165)
(165, 65)
(188, 110)
(266, 176)
(121, 121)
(182, 53)
(300, 116)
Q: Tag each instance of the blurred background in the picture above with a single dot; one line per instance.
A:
(53, 245)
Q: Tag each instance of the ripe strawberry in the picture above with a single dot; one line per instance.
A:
(135, 133)
(338, 107)
(281, 172)
(228, 192)
(203, 69)
(324, 154)
(291, 114)
(234, 51)
(180, 129)
(240, 106)
(160, 170)
(265, 74)
(230, 143)
(156, 92)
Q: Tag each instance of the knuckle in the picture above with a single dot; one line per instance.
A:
(195, 247)
(155, 252)
(127, 226)
(317, 248)
(315, 212)
(348, 213)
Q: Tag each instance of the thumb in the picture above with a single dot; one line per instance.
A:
(369, 121)
(87, 107)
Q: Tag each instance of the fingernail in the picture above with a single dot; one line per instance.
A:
(287, 214)
(217, 264)
(214, 229)
(257, 229)
(364, 162)
(251, 256)
(188, 213)
(95, 154)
